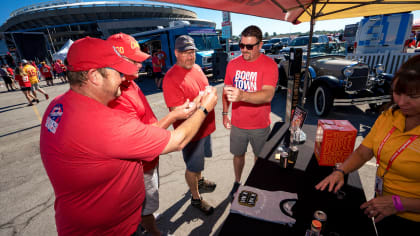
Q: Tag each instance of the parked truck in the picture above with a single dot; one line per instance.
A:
(349, 36)
(206, 40)
(383, 33)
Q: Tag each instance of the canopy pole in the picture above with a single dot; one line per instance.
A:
(308, 53)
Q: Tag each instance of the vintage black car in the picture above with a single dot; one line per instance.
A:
(337, 81)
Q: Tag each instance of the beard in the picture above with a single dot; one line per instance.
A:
(246, 56)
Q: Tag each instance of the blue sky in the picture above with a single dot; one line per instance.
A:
(239, 21)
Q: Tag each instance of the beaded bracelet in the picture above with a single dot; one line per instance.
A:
(225, 113)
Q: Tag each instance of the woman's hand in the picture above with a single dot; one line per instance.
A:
(379, 207)
(333, 181)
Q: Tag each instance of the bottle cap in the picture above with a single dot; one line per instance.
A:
(316, 224)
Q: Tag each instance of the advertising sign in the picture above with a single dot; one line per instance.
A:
(226, 25)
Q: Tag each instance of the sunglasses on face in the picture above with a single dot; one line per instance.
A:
(248, 46)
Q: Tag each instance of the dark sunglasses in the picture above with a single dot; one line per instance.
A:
(248, 46)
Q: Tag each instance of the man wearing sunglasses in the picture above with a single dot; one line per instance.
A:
(250, 83)
(93, 153)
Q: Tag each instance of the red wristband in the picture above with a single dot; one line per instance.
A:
(397, 203)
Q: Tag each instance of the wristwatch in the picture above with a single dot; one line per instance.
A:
(204, 110)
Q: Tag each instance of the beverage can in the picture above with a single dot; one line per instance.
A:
(283, 159)
(293, 153)
(316, 228)
(321, 217)
(279, 150)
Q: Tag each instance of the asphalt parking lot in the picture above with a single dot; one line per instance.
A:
(27, 198)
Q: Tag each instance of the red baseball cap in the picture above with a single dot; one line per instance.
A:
(93, 53)
(128, 46)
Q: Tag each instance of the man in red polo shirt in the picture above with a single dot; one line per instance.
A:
(92, 153)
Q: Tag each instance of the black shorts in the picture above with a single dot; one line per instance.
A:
(49, 78)
(25, 88)
(7, 79)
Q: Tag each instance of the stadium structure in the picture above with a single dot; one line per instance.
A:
(59, 21)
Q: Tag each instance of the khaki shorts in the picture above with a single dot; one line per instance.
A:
(35, 86)
(239, 139)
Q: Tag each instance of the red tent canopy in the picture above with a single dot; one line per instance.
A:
(296, 11)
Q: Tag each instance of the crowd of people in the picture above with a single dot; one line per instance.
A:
(100, 141)
(27, 75)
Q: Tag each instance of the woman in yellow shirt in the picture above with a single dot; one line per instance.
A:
(394, 142)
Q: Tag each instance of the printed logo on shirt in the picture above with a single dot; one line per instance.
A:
(54, 118)
(25, 78)
(246, 80)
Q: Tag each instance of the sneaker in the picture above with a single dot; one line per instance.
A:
(205, 185)
(37, 100)
(30, 104)
(202, 205)
(234, 190)
(157, 216)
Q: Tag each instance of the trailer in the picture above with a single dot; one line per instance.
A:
(377, 34)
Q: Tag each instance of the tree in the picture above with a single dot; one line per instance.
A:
(274, 33)
(266, 35)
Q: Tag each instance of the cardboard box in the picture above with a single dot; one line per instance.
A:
(334, 141)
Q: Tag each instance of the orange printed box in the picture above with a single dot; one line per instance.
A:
(334, 141)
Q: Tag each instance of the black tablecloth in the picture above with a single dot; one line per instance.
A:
(344, 215)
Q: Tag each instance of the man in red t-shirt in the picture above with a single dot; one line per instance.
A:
(133, 101)
(47, 74)
(92, 153)
(157, 69)
(250, 83)
(11, 72)
(182, 83)
(162, 57)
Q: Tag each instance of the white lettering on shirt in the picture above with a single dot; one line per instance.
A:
(246, 80)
